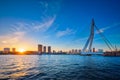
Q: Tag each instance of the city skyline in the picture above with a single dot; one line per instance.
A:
(63, 24)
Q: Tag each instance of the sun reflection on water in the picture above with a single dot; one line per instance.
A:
(17, 66)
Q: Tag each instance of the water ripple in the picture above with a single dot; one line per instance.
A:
(58, 67)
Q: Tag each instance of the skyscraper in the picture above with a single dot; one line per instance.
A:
(93, 49)
(39, 48)
(79, 51)
(49, 49)
(100, 50)
(44, 49)
(76, 51)
(6, 50)
(73, 51)
(13, 50)
(54, 51)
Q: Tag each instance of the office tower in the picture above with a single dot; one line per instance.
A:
(79, 51)
(93, 49)
(6, 50)
(73, 51)
(13, 50)
(54, 51)
(61, 51)
(44, 49)
(49, 49)
(39, 48)
(76, 51)
(100, 50)
(70, 51)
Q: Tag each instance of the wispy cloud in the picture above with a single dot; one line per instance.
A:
(81, 39)
(50, 8)
(17, 40)
(19, 29)
(44, 26)
(106, 28)
(49, 13)
(102, 30)
(64, 32)
(21, 26)
(10, 39)
(34, 26)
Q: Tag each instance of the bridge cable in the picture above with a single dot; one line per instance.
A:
(105, 39)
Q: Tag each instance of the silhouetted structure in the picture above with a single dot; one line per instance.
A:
(49, 49)
(79, 51)
(44, 49)
(39, 48)
(54, 51)
(100, 50)
(93, 49)
(76, 51)
(6, 50)
(73, 51)
(13, 50)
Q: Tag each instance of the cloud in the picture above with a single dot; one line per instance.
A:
(102, 30)
(20, 29)
(17, 40)
(81, 39)
(10, 39)
(17, 36)
(106, 28)
(64, 32)
(34, 26)
(21, 26)
(50, 8)
(4, 42)
(44, 26)
(97, 32)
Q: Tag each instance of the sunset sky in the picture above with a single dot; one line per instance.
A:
(62, 24)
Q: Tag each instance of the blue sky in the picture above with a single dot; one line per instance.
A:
(62, 24)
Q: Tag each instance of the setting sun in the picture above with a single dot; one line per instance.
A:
(21, 50)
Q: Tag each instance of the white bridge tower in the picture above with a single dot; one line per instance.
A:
(90, 39)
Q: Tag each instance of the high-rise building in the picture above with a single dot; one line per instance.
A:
(76, 51)
(93, 49)
(100, 50)
(6, 50)
(70, 51)
(54, 51)
(73, 51)
(44, 49)
(79, 51)
(61, 51)
(13, 50)
(39, 48)
(49, 49)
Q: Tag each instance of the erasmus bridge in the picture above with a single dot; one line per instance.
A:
(87, 49)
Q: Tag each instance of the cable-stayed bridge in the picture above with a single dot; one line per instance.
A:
(87, 49)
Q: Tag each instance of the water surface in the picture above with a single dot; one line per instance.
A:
(59, 67)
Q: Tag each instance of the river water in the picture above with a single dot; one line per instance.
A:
(59, 67)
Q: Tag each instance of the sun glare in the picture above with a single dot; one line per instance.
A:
(21, 50)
